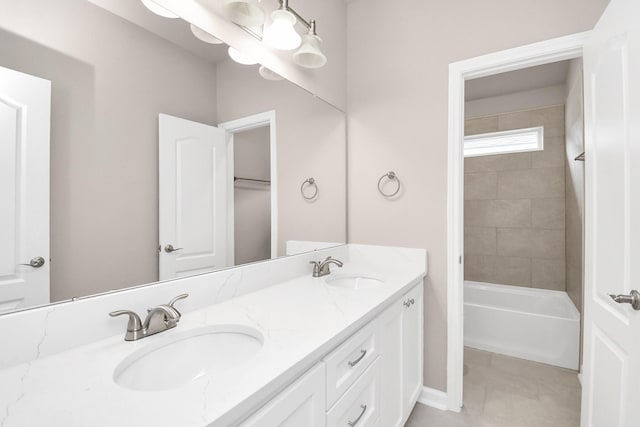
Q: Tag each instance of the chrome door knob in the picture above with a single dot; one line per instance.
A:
(169, 248)
(633, 299)
(36, 262)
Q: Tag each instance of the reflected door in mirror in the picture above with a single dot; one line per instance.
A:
(194, 187)
(25, 115)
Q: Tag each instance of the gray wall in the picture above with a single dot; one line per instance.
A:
(252, 201)
(515, 206)
(110, 79)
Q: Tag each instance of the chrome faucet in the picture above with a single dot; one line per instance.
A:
(322, 268)
(160, 318)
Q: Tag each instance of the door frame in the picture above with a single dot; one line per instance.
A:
(242, 124)
(554, 50)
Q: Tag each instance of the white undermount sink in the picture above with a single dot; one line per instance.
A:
(353, 281)
(181, 358)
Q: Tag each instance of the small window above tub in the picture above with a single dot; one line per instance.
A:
(510, 141)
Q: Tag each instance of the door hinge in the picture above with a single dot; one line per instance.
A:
(460, 260)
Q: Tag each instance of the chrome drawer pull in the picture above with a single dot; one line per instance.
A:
(357, 420)
(355, 362)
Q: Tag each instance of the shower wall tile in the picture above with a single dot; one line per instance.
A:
(531, 183)
(481, 125)
(553, 154)
(548, 274)
(500, 162)
(497, 213)
(513, 271)
(552, 118)
(480, 241)
(480, 268)
(515, 206)
(479, 186)
(548, 213)
(547, 244)
(514, 242)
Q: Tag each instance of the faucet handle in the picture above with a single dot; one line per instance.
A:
(134, 324)
(178, 298)
(316, 268)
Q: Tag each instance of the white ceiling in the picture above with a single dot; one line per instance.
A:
(176, 31)
(517, 81)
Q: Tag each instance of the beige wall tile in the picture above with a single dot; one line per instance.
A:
(514, 242)
(499, 162)
(552, 118)
(548, 213)
(497, 213)
(532, 183)
(552, 156)
(483, 185)
(481, 125)
(547, 244)
(548, 274)
(480, 268)
(479, 241)
(513, 271)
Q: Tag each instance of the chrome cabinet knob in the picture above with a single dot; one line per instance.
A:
(169, 248)
(36, 262)
(633, 299)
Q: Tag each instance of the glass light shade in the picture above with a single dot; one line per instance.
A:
(247, 13)
(158, 10)
(309, 55)
(204, 36)
(240, 57)
(281, 34)
(267, 74)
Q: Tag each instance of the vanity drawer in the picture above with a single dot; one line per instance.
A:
(359, 406)
(347, 362)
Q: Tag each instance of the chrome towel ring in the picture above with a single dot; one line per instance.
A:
(391, 176)
(311, 183)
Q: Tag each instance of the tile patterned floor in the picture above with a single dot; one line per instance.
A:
(502, 391)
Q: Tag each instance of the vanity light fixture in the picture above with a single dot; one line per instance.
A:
(281, 34)
(267, 74)
(247, 13)
(205, 36)
(158, 10)
(309, 55)
(240, 57)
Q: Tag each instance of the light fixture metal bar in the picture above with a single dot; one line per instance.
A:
(311, 24)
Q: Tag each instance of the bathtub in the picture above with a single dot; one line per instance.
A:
(534, 324)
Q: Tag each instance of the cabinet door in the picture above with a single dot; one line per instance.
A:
(412, 347)
(390, 361)
(300, 404)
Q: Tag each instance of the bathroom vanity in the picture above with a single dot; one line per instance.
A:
(264, 344)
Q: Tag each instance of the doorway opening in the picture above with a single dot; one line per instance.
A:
(482, 184)
(523, 242)
(252, 205)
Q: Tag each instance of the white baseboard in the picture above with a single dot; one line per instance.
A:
(434, 398)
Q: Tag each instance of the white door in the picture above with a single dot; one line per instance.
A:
(194, 183)
(25, 115)
(611, 390)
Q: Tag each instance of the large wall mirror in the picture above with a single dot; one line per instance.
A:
(131, 151)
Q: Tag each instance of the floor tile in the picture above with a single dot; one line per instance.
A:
(503, 391)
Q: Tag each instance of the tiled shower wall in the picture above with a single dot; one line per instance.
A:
(515, 205)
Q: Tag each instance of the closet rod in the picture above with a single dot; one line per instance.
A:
(235, 178)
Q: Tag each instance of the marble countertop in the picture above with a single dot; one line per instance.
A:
(301, 320)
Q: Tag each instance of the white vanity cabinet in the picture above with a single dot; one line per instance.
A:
(372, 379)
(300, 404)
(400, 337)
(412, 347)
